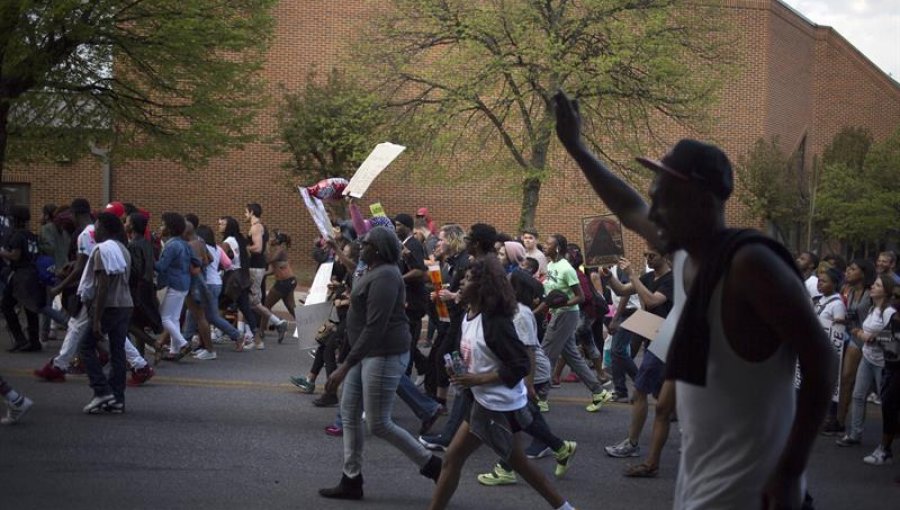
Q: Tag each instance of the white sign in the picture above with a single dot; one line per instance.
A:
(318, 293)
(317, 210)
(309, 319)
(378, 160)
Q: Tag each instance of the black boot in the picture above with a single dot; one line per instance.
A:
(349, 488)
(432, 468)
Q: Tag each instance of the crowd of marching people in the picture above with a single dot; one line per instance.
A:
(475, 324)
(117, 291)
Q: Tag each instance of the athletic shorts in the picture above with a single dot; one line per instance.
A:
(651, 375)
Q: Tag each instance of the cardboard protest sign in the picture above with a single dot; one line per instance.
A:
(317, 210)
(309, 319)
(318, 292)
(378, 160)
(603, 241)
(644, 324)
(377, 209)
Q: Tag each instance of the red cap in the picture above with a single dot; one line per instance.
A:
(423, 211)
(116, 208)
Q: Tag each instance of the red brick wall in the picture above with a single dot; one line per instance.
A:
(789, 77)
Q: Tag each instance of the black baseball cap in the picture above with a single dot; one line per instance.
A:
(404, 219)
(698, 162)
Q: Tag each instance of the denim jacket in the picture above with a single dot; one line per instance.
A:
(174, 265)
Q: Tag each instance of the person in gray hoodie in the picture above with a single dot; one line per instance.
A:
(379, 338)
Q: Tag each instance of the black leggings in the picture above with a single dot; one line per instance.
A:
(326, 353)
(890, 398)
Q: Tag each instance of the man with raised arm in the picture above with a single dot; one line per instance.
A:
(747, 318)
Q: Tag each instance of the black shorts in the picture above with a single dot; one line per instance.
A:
(285, 287)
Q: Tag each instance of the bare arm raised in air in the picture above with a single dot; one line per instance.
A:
(623, 200)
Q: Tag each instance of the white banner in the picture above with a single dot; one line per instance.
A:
(318, 292)
(379, 159)
(317, 210)
(309, 319)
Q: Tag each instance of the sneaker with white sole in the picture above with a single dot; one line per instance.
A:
(498, 476)
(533, 453)
(114, 406)
(206, 355)
(282, 330)
(16, 410)
(563, 458)
(434, 442)
(597, 401)
(543, 405)
(95, 406)
(880, 457)
(624, 449)
(198, 352)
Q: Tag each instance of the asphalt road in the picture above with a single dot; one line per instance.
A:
(233, 433)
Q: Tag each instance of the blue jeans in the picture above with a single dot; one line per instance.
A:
(622, 363)
(458, 413)
(212, 315)
(372, 385)
(421, 404)
(114, 323)
(868, 378)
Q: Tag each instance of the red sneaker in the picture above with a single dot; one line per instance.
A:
(141, 375)
(572, 377)
(50, 373)
(331, 430)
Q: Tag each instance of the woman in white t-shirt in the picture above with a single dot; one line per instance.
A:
(496, 363)
(832, 314)
(872, 364)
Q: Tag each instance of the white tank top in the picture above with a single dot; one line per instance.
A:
(735, 428)
(211, 271)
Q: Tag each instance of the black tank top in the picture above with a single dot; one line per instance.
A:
(258, 260)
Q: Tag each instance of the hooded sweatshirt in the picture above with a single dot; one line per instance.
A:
(376, 322)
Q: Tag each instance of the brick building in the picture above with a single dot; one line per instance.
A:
(796, 80)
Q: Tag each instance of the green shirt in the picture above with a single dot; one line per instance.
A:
(561, 276)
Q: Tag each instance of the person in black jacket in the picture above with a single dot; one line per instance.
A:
(22, 285)
(379, 339)
(494, 364)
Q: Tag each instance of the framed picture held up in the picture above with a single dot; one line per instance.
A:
(603, 241)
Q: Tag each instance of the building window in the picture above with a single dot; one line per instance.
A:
(15, 194)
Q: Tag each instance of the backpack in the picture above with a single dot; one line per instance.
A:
(594, 305)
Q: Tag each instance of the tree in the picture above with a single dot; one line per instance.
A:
(861, 206)
(773, 188)
(176, 79)
(464, 72)
(328, 128)
(849, 147)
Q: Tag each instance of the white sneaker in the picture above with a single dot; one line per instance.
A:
(198, 352)
(15, 412)
(623, 449)
(206, 355)
(880, 457)
(96, 404)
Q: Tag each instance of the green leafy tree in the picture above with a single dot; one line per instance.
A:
(774, 189)
(328, 128)
(849, 147)
(861, 206)
(176, 79)
(471, 76)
